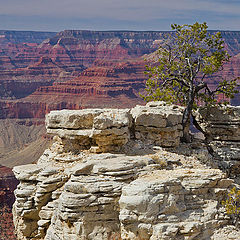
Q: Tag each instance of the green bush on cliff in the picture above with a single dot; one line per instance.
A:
(180, 67)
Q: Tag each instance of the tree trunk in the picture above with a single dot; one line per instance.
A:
(186, 126)
(186, 121)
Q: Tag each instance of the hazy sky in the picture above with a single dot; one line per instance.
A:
(57, 15)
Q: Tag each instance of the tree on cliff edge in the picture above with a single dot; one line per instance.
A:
(179, 68)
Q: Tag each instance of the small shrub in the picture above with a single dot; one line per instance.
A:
(232, 205)
(159, 160)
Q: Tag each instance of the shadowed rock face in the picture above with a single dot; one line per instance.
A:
(8, 184)
(222, 126)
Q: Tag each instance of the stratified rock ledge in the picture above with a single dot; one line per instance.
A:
(120, 174)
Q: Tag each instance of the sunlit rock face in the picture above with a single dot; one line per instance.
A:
(30, 60)
(120, 174)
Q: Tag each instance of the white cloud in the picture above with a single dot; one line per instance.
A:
(120, 9)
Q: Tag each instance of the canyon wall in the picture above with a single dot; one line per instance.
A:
(41, 71)
(106, 84)
(121, 174)
(21, 142)
(32, 59)
(17, 37)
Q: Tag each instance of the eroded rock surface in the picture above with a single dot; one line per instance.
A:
(222, 125)
(136, 188)
(173, 204)
(8, 183)
(159, 123)
(109, 129)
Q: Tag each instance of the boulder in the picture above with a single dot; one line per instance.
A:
(158, 123)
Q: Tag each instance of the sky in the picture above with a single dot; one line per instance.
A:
(148, 15)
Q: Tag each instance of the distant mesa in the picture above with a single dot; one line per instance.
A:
(79, 68)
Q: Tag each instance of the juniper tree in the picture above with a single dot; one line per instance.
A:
(180, 67)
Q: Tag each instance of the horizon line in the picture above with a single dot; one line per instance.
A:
(88, 30)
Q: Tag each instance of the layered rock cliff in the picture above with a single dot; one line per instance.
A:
(24, 36)
(106, 84)
(222, 128)
(71, 51)
(121, 174)
(28, 66)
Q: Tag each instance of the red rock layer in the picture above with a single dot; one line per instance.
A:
(110, 84)
(26, 58)
(106, 84)
(21, 82)
(232, 68)
(51, 69)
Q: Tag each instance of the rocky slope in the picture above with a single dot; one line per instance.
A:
(122, 174)
(24, 66)
(21, 142)
(65, 55)
(17, 135)
(53, 69)
(105, 84)
(232, 42)
(27, 66)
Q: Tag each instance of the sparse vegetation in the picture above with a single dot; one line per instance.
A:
(232, 205)
(157, 159)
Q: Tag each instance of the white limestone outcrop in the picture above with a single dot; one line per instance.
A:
(222, 123)
(158, 123)
(173, 204)
(108, 176)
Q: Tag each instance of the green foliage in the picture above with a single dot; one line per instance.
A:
(232, 205)
(180, 68)
(182, 65)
